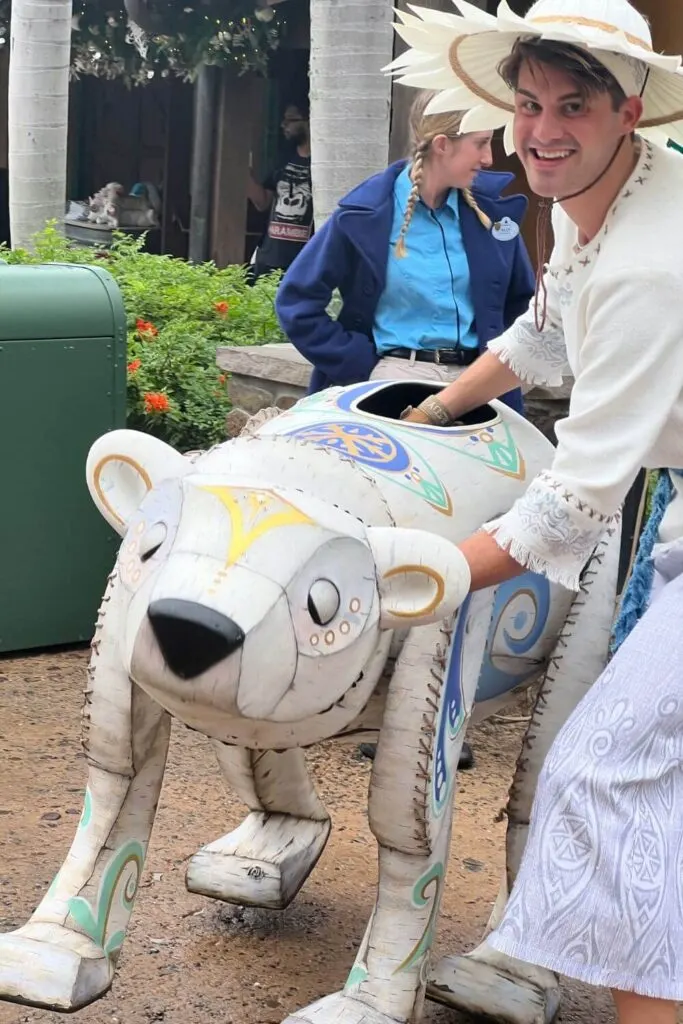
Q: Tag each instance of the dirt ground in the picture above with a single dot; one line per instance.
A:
(188, 960)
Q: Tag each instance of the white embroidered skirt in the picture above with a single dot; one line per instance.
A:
(599, 896)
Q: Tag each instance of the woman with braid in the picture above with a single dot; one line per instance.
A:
(427, 258)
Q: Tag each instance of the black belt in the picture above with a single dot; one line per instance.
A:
(442, 356)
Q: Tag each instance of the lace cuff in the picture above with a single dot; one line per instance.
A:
(551, 531)
(536, 357)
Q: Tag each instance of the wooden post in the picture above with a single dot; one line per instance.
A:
(241, 99)
(177, 169)
(206, 94)
(666, 19)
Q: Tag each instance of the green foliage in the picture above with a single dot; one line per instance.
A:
(184, 35)
(178, 314)
(176, 391)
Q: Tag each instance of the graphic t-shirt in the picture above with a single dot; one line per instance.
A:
(291, 213)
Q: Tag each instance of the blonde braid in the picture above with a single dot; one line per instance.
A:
(424, 128)
(484, 218)
(416, 173)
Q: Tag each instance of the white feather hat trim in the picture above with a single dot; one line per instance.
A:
(458, 55)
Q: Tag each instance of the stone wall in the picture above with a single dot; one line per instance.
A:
(261, 376)
(545, 406)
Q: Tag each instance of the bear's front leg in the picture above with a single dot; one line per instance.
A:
(428, 706)
(65, 956)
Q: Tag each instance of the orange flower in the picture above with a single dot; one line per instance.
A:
(134, 366)
(155, 402)
(221, 378)
(222, 308)
(145, 328)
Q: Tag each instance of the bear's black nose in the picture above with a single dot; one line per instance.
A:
(192, 637)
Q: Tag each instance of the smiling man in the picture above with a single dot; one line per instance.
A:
(599, 895)
(573, 128)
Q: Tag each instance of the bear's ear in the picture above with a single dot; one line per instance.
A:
(422, 577)
(123, 466)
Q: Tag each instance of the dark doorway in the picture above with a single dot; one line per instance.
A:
(134, 135)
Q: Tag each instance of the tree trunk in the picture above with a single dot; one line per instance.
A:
(351, 40)
(206, 89)
(38, 108)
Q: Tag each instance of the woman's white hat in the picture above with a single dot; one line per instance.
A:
(459, 55)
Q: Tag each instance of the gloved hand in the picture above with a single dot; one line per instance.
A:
(431, 411)
(414, 415)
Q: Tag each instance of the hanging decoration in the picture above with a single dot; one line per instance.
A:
(107, 43)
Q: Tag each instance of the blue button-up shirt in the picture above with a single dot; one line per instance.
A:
(428, 291)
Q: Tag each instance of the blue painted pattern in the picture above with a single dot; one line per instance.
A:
(359, 441)
(384, 453)
(518, 620)
(352, 394)
(452, 714)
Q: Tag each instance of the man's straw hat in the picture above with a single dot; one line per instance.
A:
(459, 55)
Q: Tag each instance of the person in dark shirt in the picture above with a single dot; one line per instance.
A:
(287, 194)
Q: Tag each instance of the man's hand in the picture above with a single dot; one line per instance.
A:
(485, 379)
(414, 415)
(432, 411)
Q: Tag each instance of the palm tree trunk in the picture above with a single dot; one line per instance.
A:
(351, 40)
(38, 114)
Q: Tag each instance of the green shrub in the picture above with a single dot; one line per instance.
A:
(178, 314)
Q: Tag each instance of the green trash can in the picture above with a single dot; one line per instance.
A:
(62, 385)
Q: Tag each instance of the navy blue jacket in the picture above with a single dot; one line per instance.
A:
(351, 252)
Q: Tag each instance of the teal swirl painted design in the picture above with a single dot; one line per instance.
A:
(86, 815)
(432, 879)
(87, 810)
(94, 921)
(359, 973)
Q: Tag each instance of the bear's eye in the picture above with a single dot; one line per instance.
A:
(323, 602)
(152, 541)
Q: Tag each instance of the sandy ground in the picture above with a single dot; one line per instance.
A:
(188, 960)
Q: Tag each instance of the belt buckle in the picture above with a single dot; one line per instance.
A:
(437, 356)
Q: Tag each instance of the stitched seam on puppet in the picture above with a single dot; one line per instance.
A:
(425, 760)
(95, 645)
(588, 578)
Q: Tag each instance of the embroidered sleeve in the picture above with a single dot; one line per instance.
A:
(537, 357)
(629, 381)
(551, 531)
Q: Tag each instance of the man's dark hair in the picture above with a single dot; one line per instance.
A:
(589, 75)
(301, 104)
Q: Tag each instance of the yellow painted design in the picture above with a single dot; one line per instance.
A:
(433, 575)
(253, 514)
